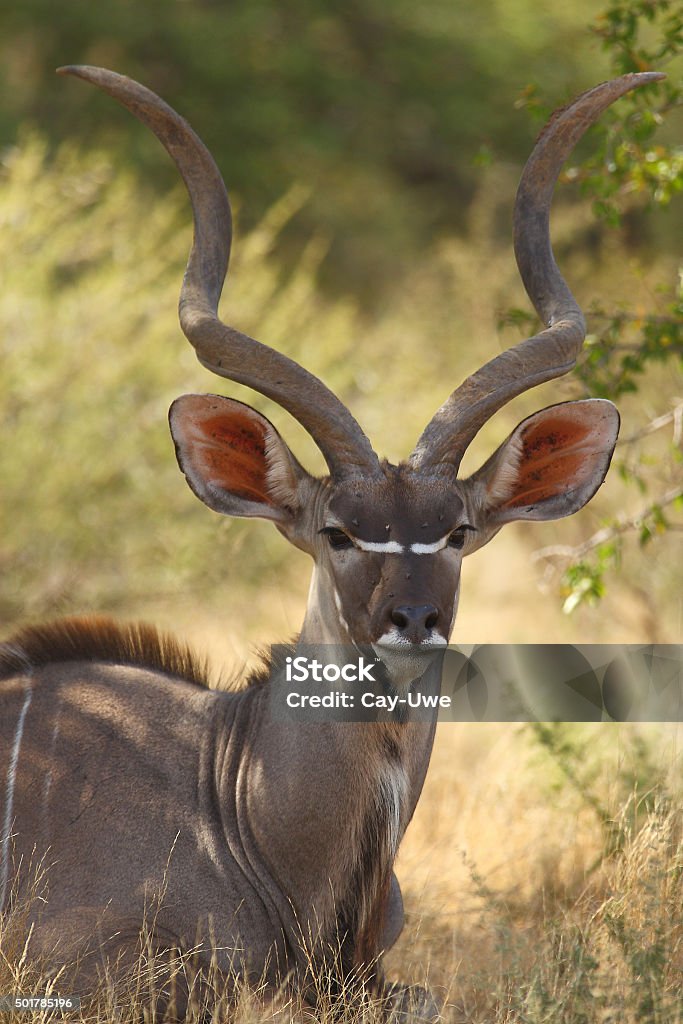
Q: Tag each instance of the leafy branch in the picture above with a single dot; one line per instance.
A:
(583, 580)
(627, 171)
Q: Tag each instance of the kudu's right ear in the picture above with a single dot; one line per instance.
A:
(234, 459)
(551, 464)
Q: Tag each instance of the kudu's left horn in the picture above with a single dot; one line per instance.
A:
(223, 349)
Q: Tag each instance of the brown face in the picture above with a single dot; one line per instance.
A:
(388, 546)
(393, 548)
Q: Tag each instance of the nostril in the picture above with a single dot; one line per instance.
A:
(399, 618)
(432, 619)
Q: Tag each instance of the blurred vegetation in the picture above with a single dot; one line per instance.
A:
(331, 186)
(630, 170)
(380, 107)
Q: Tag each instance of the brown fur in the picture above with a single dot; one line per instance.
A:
(100, 639)
(364, 906)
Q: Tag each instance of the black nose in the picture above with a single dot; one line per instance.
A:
(415, 622)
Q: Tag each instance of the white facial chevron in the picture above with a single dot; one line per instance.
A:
(387, 547)
(392, 547)
(430, 549)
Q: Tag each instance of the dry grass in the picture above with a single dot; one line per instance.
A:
(529, 898)
(516, 904)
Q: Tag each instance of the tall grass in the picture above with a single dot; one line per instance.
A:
(520, 907)
(521, 902)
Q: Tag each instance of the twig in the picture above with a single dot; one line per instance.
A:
(631, 318)
(621, 525)
(675, 417)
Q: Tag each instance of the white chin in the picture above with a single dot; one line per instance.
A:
(394, 641)
(405, 662)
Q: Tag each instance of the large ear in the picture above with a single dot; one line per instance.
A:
(234, 459)
(550, 465)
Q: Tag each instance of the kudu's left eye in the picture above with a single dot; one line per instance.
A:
(457, 538)
(336, 538)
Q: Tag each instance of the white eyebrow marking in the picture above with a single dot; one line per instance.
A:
(430, 549)
(392, 547)
(387, 547)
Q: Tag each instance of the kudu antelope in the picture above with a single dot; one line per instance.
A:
(136, 781)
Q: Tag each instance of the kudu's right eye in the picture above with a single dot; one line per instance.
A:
(336, 538)
(457, 537)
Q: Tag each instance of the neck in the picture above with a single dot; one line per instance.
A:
(349, 790)
(324, 621)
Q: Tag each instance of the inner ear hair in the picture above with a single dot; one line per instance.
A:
(504, 471)
(281, 471)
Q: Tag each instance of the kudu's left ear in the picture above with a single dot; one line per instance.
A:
(551, 464)
(234, 459)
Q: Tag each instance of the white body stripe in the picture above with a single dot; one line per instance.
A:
(9, 794)
(48, 774)
(338, 605)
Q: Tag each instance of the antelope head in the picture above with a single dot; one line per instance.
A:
(387, 540)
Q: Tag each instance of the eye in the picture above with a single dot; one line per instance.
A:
(457, 538)
(336, 538)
